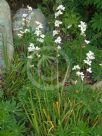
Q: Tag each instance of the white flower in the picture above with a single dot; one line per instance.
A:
(24, 16)
(38, 55)
(29, 8)
(39, 25)
(57, 23)
(90, 55)
(60, 7)
(69, 26)
(58, 55)
(24, 19)
(26, 30)
(82, 77)
(38, 32)
(100, 65)
(88, 62)
(58, 40)
(55, 32)
(40, 40)
(22, 32)
(76, 67)
(82, 26)
(58, 13)
(20, 35)
(80, 74)
(87, 42)
(37, 22)
(31, 47)
(37, 48)
(75, 82)
(31, 66)
(42, 36)
(30, 57)
(58, 47)
(89, 70)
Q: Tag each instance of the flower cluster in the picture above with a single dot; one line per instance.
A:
(40, 38)
(23, 32)
(76, 67)
(78, 72)
(32, 49)
(89, 57)
(29, 8)
(57, 23)
(87, 42)
(38, 32)
(59, 11)
(83, 27)
(26, 17)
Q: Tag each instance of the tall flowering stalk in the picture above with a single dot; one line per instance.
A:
(83, 27)
(38, 32)
(33, 48)
(78, 72)
(89, 57)
(56, 33)
(26, 17)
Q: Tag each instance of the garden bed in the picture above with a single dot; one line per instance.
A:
(50, 87)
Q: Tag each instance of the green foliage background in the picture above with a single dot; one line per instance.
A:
(73, 110)
(89, 11)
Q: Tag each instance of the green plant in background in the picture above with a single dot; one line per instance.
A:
(72, 112)
(9, 126)
(69, 111)
(89, 11)
(14, 77)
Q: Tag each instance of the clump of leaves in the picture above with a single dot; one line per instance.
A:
(75, 111)
(10, 125)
